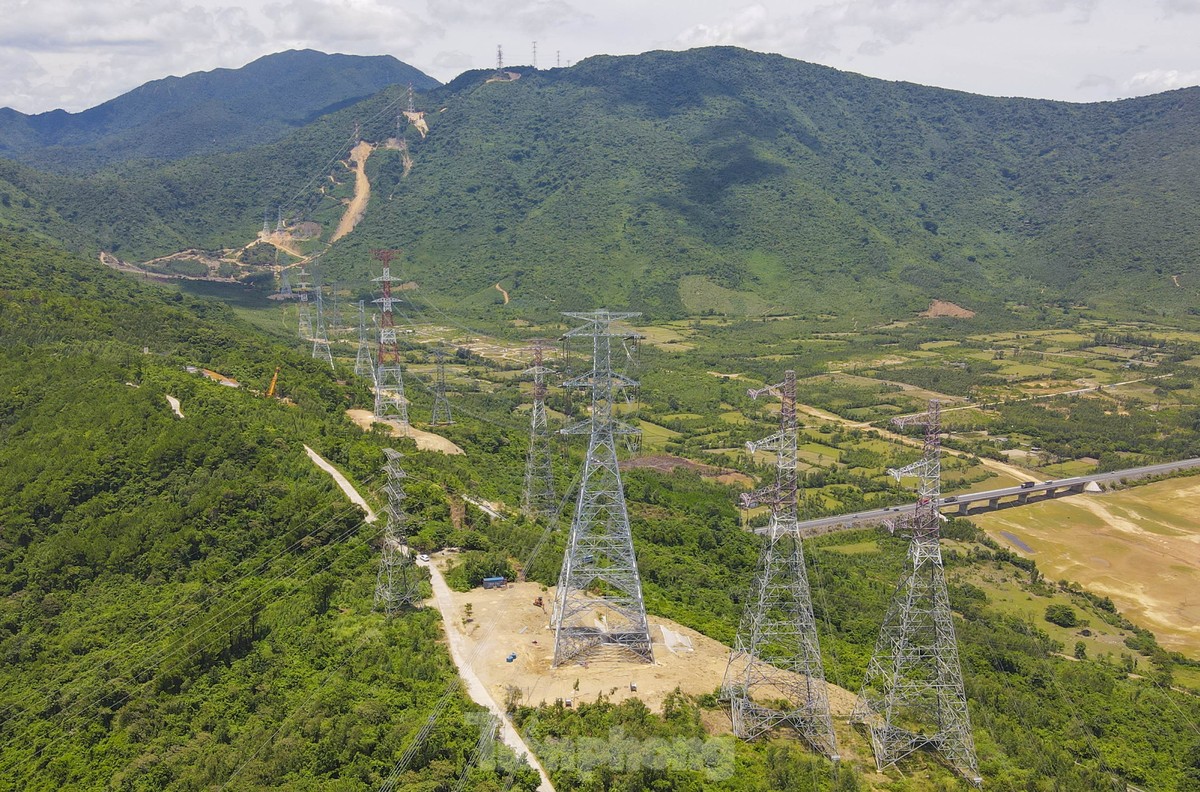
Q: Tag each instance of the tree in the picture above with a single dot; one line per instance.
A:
(1062, 615)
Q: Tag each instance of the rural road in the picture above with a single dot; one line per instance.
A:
(475, 688)
(344, 483)
(174, 404)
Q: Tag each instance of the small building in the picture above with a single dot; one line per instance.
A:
(495, 582)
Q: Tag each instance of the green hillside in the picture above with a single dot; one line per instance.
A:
(714, 180)
(204, 112)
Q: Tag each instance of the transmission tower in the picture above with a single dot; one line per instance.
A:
(335, 312)
(285, 286)
(390, 402)
(538, 499)
(441, 405)
(777, 658)
(600, 548)
(320, 349)
(499, 59)
(305, 315)
(912, 695)
(266, 221)
(535, 54)
(412, 105)
(363, 367)
(396, 585)
(279, 221)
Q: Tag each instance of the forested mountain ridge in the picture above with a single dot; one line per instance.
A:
(203, 112)
(712, 180)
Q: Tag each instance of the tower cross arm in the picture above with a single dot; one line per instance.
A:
(773, 390)
(763, 495)
(772, 443)
(917, 468)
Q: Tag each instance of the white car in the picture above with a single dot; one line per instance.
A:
(423, 557)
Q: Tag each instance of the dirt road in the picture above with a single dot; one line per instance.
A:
(478, 692)
(174, 404)
(342, 482)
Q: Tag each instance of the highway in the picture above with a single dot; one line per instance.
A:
(991, 500)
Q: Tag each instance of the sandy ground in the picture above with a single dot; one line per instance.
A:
(1140, 547)
(426, 441)
(467, 657)
(506, 620)
(342, 482)
(175, 408)
(362, 192)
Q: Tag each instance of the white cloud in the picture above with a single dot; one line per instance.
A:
(75, 54)
(1158, 80)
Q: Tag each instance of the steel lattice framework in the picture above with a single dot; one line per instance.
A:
(363, 365)
(305, 328)
(320, 350)
(397, 584)
(441, 415)
(912, 695)
(538, 498)
(599, 552)
(390, 401)
(777, 657)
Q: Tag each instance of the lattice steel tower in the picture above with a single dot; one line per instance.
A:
(363, 365)
(390, 402)
(320, 349)
(305, 328)
(441, 415)
(775, 676)
(600, 548)
(538, 498)
(397, 584)
(912, 695)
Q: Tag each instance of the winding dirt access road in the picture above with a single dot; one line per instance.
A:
(174, 404)
(478, 691)
(362, 191)
(344, 483)
(500, 289)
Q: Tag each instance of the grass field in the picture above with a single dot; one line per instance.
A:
(1140, 546)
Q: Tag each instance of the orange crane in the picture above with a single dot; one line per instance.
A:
(274, 379)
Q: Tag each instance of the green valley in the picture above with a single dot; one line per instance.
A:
(188, 602)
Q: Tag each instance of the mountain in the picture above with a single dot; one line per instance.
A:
(204, 112)
(713, 180)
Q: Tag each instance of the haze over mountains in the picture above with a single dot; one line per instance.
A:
(681, 182)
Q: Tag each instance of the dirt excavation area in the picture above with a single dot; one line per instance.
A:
(499, 622)
(426, 441)
(362, 191)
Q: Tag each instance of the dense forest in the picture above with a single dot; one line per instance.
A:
(714, 180)
(186, 601)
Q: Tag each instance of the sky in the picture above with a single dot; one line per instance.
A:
(74, 54)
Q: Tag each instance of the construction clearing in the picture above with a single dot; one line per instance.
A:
(498, 622)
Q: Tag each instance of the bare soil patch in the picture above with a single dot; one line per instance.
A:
(362, 191)
(506, 620)
(939, 308)
(426, 441)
